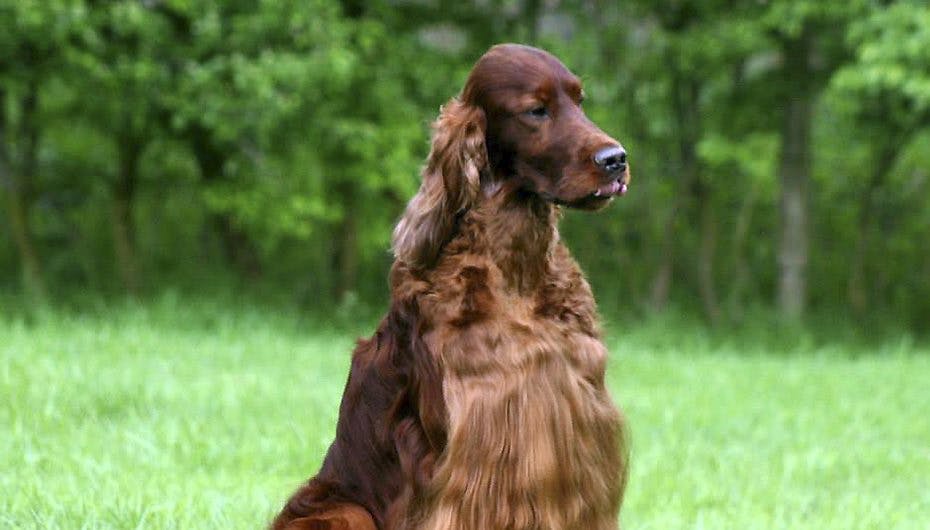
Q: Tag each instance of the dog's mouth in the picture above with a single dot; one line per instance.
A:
(594, 199)
(614, 188)
(602, 195)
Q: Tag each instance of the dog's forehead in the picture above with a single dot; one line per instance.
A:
(518, 68)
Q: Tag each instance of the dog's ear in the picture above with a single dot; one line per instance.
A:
(451, 183)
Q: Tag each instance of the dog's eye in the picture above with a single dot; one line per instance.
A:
(538, 112)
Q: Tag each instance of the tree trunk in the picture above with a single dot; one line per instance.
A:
(611, 49)
(18, 185)
(531, 11)
(740, 274)
(31, 270)
(706, 256)
(857, 288)
(238, 249)
(795, 177)
(124, 191)
(662, 280)
(691, 190)
(345, 245)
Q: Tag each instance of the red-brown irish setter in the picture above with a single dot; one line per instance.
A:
(479, 404)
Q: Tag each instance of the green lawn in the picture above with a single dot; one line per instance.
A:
(207, 418)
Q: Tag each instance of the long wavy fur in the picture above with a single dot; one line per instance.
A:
(451, 183)
(480, 402)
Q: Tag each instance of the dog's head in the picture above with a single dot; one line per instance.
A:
(518, 121)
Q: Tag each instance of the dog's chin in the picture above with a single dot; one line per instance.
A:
(590, 203)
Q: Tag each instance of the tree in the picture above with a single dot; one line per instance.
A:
(886, 93)
(684, 60)
(808, 35)
(120, 68)
(34, 37)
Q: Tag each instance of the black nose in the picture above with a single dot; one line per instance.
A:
(611, 159)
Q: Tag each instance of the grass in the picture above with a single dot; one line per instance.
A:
(168, 416)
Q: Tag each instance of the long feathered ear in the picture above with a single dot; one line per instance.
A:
(451, 183)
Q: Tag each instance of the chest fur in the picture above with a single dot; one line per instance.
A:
(533, 437)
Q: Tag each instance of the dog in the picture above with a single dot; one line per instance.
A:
(480, 401)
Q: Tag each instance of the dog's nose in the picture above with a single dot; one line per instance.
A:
(611, 159)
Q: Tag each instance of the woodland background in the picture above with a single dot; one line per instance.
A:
(780, 148)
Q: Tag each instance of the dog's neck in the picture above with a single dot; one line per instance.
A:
(518, 231)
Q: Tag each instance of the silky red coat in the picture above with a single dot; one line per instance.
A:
(479, 403)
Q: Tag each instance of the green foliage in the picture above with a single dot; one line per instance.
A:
(889, 80)
(184, 143)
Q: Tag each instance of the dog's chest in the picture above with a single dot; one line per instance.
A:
(532, 431)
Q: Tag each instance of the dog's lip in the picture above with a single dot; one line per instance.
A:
(614, 188)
